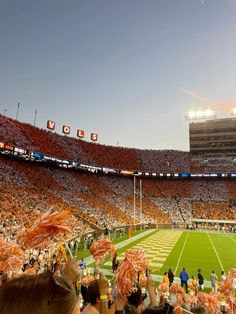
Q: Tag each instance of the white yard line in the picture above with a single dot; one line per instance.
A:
(181, 253)
(215, 252)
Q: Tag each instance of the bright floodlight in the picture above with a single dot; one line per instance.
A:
(208, 113)
(191, 114)
(202, 115)
(233, 114)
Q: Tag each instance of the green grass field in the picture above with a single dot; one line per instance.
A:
(176, 249)
(206, 251)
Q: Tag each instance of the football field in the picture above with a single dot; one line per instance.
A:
(176, 249)
(203, 250)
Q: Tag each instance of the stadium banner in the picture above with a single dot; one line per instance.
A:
(37, 155)
(6, 149)
(109, 170)
(127, 172)
(20, 150)
(9, 147)
(94, 137)
(66, 129)
(90, 168)
(51, 125)
(80, 133)
(184, 175)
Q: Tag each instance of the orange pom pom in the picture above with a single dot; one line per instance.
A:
(46, 228)
(100, 248)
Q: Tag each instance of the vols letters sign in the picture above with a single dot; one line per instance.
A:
(80, 133)
(51, 125)
(66, 129)
(94, 137)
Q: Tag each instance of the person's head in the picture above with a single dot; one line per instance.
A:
(199, 309)
(131, 309)
(222, 273)
(183, 268)
(93, 292)
(84, 293)
(161, 309)
(213, 271)
(165, 273)
(199, 270)
(38, 294)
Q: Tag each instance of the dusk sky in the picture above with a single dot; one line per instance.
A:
(126, 69)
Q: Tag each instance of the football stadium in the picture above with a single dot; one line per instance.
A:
(117, 157)
(175, 207)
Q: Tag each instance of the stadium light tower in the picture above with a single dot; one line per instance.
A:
(233, 114)
(17, 110)
(200, 115)
(35, 116)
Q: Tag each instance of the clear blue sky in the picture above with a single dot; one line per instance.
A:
(116, 67)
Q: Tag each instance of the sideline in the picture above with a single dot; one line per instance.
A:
(155, 278)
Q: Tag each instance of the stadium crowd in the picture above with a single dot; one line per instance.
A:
(27, 136)
(107, 201)
(30, 191)
(56, 285)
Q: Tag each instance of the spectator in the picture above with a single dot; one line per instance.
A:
(43, 293)
(82, 264)
(98, 299)
(184, 279)
(166, 308)
(166, 279)
(223, 276)
(194, 285)
(171, 276)
(213, 279)
(199, 309)
(200, 280)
